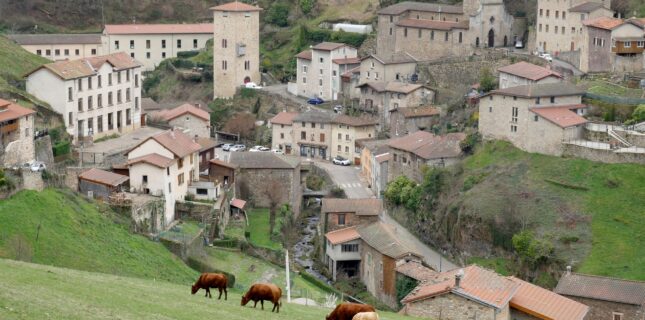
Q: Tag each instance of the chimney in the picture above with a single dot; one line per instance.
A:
(568, 270)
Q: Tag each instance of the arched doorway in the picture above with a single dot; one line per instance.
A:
(491, 38)
(247, 80)
(505, 41)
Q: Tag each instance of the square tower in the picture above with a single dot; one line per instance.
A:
(236, 47)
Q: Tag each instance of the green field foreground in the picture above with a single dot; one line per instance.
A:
(31, 291)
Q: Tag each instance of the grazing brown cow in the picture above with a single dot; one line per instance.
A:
(211, 280)
(347, 310)
(366, 316)
(261, 292)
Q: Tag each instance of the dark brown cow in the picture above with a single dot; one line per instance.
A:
(347, 310)
(211, 280)
(261, 292)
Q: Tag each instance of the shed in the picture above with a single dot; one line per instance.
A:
(100, 183)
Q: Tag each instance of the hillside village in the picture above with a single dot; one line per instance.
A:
(417, 160)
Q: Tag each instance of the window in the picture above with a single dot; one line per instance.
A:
(80, 104)
(69, 94)
(552, 99)
(163, 44)
(349, 247)
(303, 135)
(195, 43)
(131, 44)
(224, 44)
(40, 52)
(178, 43)
(514, 114)
(67, 52)
(513, 128)
(341, 219)
(180, 179)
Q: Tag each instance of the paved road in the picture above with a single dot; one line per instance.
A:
(349, 178)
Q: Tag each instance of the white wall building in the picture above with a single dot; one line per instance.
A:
(152, 43)
(96, 96)
(319, 69)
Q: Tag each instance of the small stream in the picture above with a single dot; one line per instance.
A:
(303, 250)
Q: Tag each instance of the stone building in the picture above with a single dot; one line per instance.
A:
(16, 134)
(381, 252)
(282, 132)
(550, 111)
(257, 173)
(596, 45)
(524, 73)
(382, 97)
(559, 23)
(152, 43)
(96, 96)
(430, 31)
(409, 120)
(319, 69)
(342, 213)
(164, 165)
(102, 184)
(608, 298)
(60, 46)
(236, 47)
(413, 152)
(477, 293)
(192, 120)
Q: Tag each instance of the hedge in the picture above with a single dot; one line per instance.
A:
(61, 148)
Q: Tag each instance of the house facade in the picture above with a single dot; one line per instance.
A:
(152, 43)
(60, 46)
(559, 24)
(319, 69)
(16, 134)
(164, 165)
(191, 119)
(96, 96)
(236, 54)
(524, 73)
(552, 112)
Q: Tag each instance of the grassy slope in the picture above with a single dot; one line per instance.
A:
(77, 234)
(30, 291)
(617, 244)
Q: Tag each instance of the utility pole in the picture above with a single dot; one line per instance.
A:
(288, 281)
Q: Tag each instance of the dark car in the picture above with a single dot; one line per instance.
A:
(315, 101)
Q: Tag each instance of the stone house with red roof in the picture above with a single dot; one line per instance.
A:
(192, 120)
(96, 96)
(164, 165)
(535, 118)
(524, 73)
(319, 69)
(16, 134)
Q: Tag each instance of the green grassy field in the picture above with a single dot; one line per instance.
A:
(31, 291)
(259, 228)
(62, 229)
(606, 220)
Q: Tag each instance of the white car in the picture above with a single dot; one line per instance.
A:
(38, 166)
(238, 147)
(341, 161)
(259, 149)
(252, 85)
(277, 151)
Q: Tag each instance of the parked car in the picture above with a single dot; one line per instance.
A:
(341, 161)
(252, 85)
(38, 166)
(338, 108)
(238, 147)
(259, 149)
(547, 57)
(315, 101)
(227, 146)
(277, 151)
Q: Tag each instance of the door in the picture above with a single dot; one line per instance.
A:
(491, 38)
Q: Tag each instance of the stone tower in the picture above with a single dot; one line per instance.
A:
(236, 47)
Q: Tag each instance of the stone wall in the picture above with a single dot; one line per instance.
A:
(606, 156)
(602, 310)
(450, 307)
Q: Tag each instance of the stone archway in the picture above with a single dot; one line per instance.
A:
(491, 38)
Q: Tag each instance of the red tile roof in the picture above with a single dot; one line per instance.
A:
(545, 304)
(238, 203)
(342, 235)
(158, 28)
(304, 55)
(329, 46)
(72, 69)
(529, 71)
(477, 283)
(236, 6)
(606, 23)
(602, 288)
(433, 24)
(223, 164)
(170, 114)
(355, 60)
(11, 111)
(284, 118)
(153, 159)
(103, 177)
(428, 146)
(561, 115)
